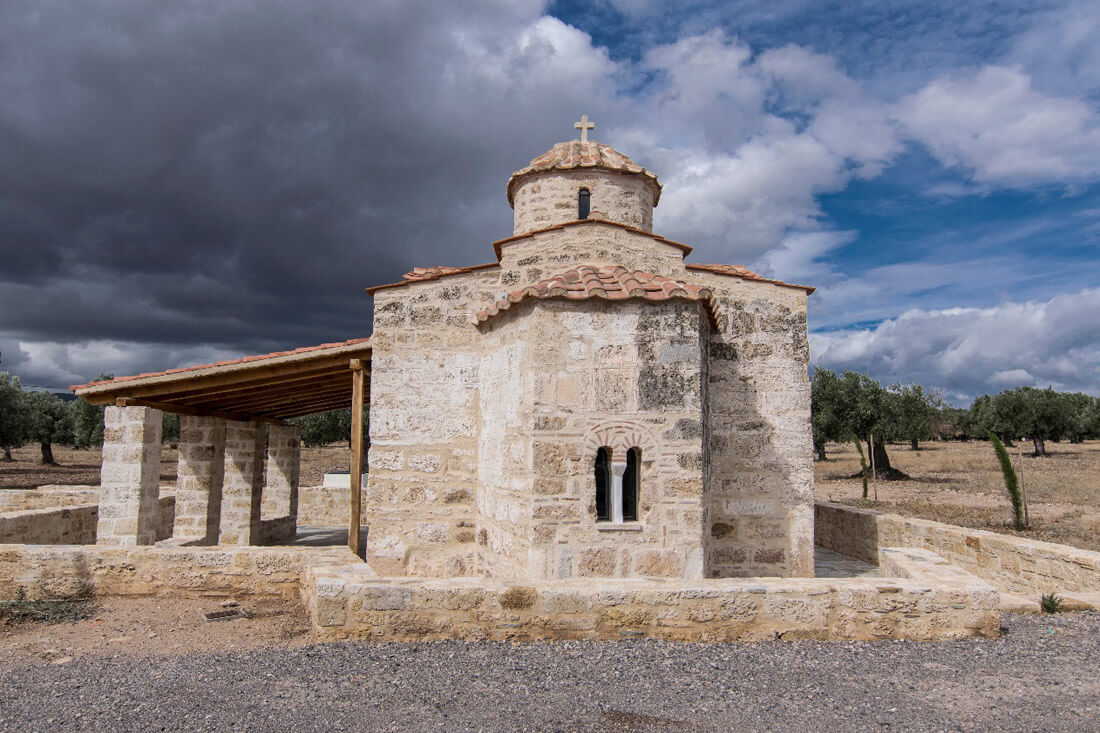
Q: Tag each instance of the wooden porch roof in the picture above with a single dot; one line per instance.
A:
(269, 387)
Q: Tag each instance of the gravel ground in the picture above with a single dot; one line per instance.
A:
(1041, 675)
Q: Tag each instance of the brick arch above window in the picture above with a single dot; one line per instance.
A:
(620, 436)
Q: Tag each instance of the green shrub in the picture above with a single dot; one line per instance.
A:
(1050, 603)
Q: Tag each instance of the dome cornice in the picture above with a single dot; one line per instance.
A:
(579, 155)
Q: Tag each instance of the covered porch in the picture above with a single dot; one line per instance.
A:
(239, 459)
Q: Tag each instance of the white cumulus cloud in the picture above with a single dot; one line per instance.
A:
(970, 351)
(1004, 132)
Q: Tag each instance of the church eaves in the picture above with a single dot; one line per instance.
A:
(746, 274)
(424, 274)
(613, 283)
(686, 249)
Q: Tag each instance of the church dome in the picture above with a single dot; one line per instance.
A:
(587, 154)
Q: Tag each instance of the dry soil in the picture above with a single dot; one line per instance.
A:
(961, 483)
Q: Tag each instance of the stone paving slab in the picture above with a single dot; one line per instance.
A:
(829, 564)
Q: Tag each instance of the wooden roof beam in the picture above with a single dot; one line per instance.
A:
(262, 401)
(185, 410)
(265, 393)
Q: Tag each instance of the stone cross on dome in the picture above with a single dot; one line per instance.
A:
(584, 126)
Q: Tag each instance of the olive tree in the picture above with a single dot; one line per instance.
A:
(14, 414)
(50, 423)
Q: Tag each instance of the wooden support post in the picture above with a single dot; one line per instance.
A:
(357, 374)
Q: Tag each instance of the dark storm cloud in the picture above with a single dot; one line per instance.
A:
(235, 174)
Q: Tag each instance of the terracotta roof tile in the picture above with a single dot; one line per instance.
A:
(423, 274)
(746, 274)
(581, 222)
(612, 283)
(242, 360)
(588, 154)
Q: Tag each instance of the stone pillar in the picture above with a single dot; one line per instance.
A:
(129, 501)
(279, 508)
(242, 483)
(201, 469)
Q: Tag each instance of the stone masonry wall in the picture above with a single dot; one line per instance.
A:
(324, 506)
(344, 606)
(242, 483)
(423, 459)
(616, 374)
(67, 571)
(426, 403)
(545, 200)
(506, 476)
(130, 476)
(200, 471)
(533, 258)
(47, 497)
(760, 472)
(70, 525)
(1013, 564)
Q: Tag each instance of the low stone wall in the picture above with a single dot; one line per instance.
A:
(325, 506)
(53, 572)
(849, 531)
(70, 525)
(277, 531)
(47, 497)
(1012, 564)
(352, 604)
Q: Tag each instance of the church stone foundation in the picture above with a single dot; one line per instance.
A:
(933, 601)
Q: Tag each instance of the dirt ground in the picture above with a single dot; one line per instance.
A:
(961, 483)
(153, 626)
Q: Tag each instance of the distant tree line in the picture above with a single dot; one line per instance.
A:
(852, 406)
(48, 420)
(328, 427)
(845, 407)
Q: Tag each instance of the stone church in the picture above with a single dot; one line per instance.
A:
(589, 404)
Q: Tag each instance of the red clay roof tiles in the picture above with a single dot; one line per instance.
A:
(423, 274)
(242, 360)
(746, 274)
(612, 283)
(588, 154)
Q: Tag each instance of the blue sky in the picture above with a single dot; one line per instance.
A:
(937, 227)
(199, 181)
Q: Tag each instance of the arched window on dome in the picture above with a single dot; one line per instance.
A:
(584, 204)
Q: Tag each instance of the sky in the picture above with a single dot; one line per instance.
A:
(200, 180)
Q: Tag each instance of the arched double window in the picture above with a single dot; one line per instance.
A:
(617, 486)
(584, 204)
